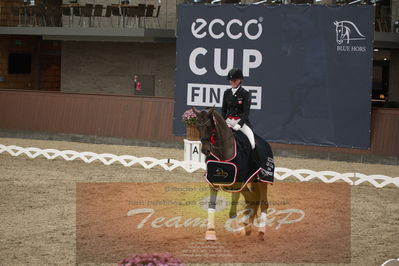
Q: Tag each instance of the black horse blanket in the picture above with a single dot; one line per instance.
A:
(234, 173)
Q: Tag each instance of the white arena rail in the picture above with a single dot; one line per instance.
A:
(378, 181)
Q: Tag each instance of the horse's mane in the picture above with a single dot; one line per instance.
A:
(225, 136)
(220, 124)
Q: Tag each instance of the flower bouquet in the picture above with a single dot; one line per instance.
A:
(190, 118)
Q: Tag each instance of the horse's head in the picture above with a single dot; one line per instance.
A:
(206, 127)
(343, 31)
(339, 31)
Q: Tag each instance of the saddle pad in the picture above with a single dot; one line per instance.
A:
(221, 173)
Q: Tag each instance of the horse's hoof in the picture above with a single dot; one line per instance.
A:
(245, 230)
(261, 236)
(240, 232)
(210, 235)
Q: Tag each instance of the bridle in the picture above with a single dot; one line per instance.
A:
(213, 132)
(210, 139)
(204, 124)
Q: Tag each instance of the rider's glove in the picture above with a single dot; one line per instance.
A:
(237, 127)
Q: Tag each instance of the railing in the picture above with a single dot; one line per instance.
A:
(85, 15)
(302, 175)
(162, 16)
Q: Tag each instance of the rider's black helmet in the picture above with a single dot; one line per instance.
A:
(235, 73)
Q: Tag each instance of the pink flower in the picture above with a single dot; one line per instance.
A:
(189, 117)
(157, 259)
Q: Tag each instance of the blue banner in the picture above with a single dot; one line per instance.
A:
(308, 68)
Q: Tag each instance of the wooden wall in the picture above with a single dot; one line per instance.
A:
(385, 131)
(147, 118)
(45, 66)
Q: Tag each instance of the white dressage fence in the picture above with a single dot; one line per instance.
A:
(378, 181)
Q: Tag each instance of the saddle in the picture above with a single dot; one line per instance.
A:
(234, 174)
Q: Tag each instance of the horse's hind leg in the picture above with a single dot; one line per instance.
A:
(251, 208)
(210, 229)
(235, 196)
(264, 205)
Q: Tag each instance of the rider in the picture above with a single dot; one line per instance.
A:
(236, 105)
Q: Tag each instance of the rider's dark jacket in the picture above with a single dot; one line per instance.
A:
(237, 105)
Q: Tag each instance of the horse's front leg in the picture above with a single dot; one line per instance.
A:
(210, 229)
(264, 205)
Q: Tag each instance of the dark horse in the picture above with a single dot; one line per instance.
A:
(220, 144)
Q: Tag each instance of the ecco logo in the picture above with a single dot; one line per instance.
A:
(234, 29)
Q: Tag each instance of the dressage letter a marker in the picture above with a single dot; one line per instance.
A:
(195, 150)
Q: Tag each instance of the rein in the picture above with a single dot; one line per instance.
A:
(203, 124)
(224, 140)
(211, 138)
(211, 127)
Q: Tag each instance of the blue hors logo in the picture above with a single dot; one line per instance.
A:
(220, 173)
(347, 31)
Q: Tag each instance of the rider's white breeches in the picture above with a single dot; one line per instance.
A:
(245, 129)
(248, 132)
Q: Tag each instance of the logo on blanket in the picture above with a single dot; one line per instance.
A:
(220, 173)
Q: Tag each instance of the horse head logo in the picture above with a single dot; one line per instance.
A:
(347, 31)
